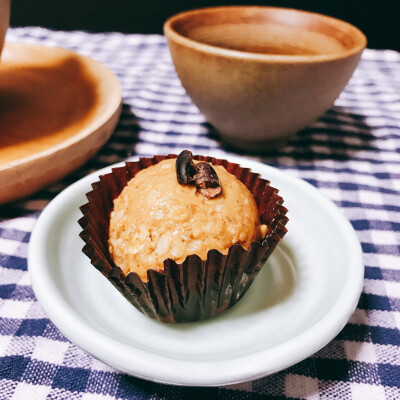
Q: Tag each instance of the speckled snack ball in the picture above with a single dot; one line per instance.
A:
(155, 218)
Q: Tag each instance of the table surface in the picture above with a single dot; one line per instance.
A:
(351, 154)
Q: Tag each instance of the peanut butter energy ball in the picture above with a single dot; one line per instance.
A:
(156, 218)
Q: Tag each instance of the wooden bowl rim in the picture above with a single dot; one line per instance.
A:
(174, 36)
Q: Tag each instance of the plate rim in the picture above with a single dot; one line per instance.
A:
(73, 326)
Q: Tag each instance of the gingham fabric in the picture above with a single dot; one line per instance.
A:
(352, 154)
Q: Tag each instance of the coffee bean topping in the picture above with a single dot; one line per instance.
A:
(202, 175)
(207, 181)
(185, 169)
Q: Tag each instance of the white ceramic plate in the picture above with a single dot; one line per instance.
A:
(301, 299)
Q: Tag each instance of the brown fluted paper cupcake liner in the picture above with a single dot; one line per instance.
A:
(196, 289)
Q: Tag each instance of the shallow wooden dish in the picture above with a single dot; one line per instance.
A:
(57, 108)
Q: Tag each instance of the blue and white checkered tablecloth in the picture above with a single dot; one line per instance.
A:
(352, 154)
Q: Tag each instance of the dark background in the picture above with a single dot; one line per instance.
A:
(379, 20)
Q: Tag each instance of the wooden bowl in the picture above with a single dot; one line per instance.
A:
(260, 74)
(4, 20)
(57, 108)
